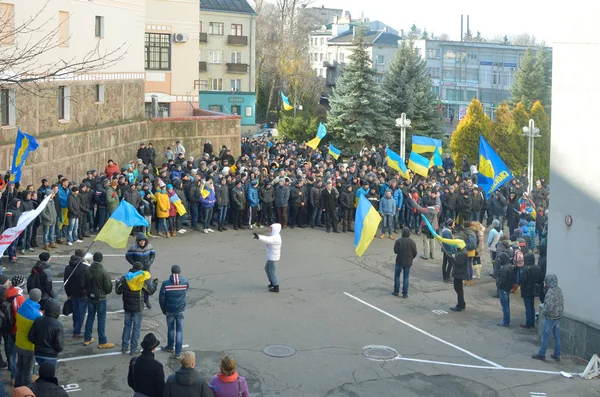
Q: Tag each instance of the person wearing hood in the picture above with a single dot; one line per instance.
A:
(72, 284)
(47, 384)
(531, 283)
(227, 383)
(405, 249)
(11, 218)
(134, 286)
(47, 335)
(494, 238)
(142, 251)
(273, 245)
(41, 278)
(132, 196)
(187, 382)
(504, 283)
(552, 312)
(27, 313)
(207, 200)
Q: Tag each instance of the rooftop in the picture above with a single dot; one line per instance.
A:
(236, 6)
(371, 37)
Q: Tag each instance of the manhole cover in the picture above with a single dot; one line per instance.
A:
(148, 324)
(279, 351)
(380, 353)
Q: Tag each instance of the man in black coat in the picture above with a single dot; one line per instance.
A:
(146, 375)
(75, 292)
(328, 202)
(459, 272)
(47, 384)
(405, 249)
(504, 283)
(47, 334)
(531, 282)
(187, 382)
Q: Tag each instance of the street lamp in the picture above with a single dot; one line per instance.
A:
(403, 123)
(530, 132)
(233, 101)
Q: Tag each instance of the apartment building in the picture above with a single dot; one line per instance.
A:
(331, 45)
(227, 59)
(461, 71)
(88, 70)
(171, 44)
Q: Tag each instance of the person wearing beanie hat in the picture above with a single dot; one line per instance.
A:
(75, 211)
(146, 375)
(97, 284)
(238, 201)
(253, 204)
(41, 278)
(494, 238)
(129, 286)
(27, 313)
(47, 384)
(266, 196)
(172, 303)
(73, 275)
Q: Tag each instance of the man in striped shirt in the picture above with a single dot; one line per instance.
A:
(172, 303)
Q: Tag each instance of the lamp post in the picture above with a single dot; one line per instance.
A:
(233, 100)
(531, 132)
(403, 123)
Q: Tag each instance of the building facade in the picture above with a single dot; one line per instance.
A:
(171, 43)
(227, 59)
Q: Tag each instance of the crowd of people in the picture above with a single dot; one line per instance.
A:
(278, 184)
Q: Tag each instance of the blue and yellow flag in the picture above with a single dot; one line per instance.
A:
(424, 144)
(286, 102)
(436, 159)
(118, 227)
(454, 242)
(321, 132)
(493, 173)
(334, 152)
(419, 164)
(24, 145)
(396, 162)
(366, 223)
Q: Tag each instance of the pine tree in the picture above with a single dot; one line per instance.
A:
(541, 159)
(465, 140)
(301, 128)
(407, 86)
(358, 111)
(531, 80)
(505, 40)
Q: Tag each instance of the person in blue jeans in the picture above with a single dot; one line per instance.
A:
(97, 285)
(405, 249)
(504, 283)
(72, 284)
(552, 312)
(531, 281)
(132, 286)
(172, 303)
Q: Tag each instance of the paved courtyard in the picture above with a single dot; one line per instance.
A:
(332, 305)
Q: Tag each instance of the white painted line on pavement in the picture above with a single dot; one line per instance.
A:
(533, 393)
(439, 312)
(67, 256)
(116, 311)
(424, 332)
(64, 360)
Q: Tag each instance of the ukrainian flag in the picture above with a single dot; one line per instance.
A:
(366, 223)
(118, 227)
(24, 145)
(286, 102)
(436, 159)
(321, 132)
(418, 164)
(424, 144)
(454, 242)
(493, 173)
(396, 162)
(334, 152)
(179, 207)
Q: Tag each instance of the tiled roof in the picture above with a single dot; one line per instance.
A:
(371, 37)
(238, 6)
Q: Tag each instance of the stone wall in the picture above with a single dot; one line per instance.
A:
(72, 154)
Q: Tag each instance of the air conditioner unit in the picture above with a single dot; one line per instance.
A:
(180, 37)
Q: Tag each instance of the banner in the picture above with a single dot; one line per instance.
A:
(25, 219)
(24, 145)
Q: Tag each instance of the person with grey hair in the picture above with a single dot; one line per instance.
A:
(187, 382)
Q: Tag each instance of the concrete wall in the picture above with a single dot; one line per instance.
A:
(574, 252)
(73, 154)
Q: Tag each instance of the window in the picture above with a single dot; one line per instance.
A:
(470, 95)
(215, 56)
(472, 76)
(329, 56)
(449, 74)
(379, 60)
(322, 41)
(433, 53)
(157, 51)
(342, 57)
(236, 109)
(236, 84)
(200, 26)
(472, 56)
(216, 28)
(236, 57)
(215, 84)
(248, 111)
(454, 95)
(321, 57)
(63, 29)
(236, 29)
(449, 54)
(215, 108)
(64, 102)
(99, 28)
(7, 23)
(497, 78)
(99, 93)
(436, 91)
(434, 72)
(7, 107)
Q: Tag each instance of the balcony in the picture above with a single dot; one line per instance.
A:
(330, 64)
(202, 66)
(237, 40)
(204, 37)
(237, 68)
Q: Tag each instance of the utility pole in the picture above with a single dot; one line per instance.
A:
(531, 132)
(403, 123)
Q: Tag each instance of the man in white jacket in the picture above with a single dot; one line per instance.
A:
(273, 242)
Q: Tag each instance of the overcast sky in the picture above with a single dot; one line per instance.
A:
(493, 17)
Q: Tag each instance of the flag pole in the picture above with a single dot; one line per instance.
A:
(62, 287)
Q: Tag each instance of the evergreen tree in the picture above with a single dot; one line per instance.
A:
(505, 40)
(407, 86)
(358, 111)
(531, 80)
(301, 128)
(465, 140)
(541, 159)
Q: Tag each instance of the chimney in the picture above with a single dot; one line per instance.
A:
(461, 27)
(468, 31)
(402, 34)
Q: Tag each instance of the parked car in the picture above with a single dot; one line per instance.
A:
(265, 133)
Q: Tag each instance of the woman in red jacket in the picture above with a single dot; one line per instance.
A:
(111, 169)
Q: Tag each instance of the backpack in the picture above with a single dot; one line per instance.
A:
(471, 241)
(7, 318)
(37, 279)
(518, 259)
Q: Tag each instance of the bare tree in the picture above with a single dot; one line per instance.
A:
(444, 37)
(523, 39)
